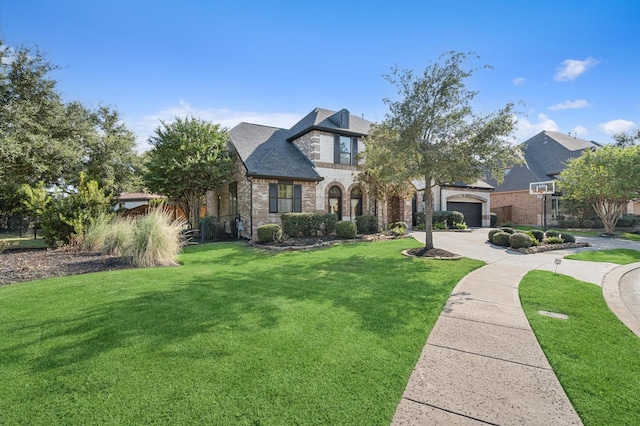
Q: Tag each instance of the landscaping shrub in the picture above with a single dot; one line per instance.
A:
(492, 233)
(553, 240)
(439, 225)
(346, 229)
(501, 238)
(520, 240)
(493, 219)
(534, 240)
(156, 240)
(398, 228)
(327, 222)
(568, 238)
(270, 232)
(552, 233)
(462, 225)
(450, 218)
(419, 218)
(368, 223)
(628, 220)
(537, 234)
(507, 229)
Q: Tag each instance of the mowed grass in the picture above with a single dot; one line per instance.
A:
(619, 256)
(24, 242)
(233, 336)
(594, 355)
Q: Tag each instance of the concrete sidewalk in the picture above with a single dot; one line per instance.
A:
(482, 363)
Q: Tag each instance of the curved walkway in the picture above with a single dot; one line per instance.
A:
(482, 363)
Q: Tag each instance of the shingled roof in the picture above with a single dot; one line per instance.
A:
(546, 155)
(268, 151)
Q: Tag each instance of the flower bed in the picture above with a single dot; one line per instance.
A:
(548, 247)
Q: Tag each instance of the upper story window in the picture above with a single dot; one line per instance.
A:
(345, 150)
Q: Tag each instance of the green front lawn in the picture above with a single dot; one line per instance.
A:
(594, 355)
(234, 336)
(26, 241)
(619, 256)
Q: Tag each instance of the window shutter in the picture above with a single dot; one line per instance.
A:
(354, 150)
(273, 198)
(336, 149)
(297, 198)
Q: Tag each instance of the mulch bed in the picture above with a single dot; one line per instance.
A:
(28, 265)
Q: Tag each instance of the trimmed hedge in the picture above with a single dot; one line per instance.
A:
(367, 223)
(448, 217)
(507, 229)
(501, 238)
(308, 224)
(346, 229)
(269, 232)
(568, 238)
(492, 233)
(520, 240)
(537, 234)
(552, 233)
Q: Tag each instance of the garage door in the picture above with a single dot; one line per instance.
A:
(472, 212)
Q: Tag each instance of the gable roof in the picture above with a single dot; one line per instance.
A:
(265, 152)
(324, 119)
(268, 151)
(546, 155)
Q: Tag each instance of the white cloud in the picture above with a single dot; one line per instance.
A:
(580, 131)
(526, 128)
(145, 126)
(572, 68)
(518, 81)
(577, 104)
(617, 126)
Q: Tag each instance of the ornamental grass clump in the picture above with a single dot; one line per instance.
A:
(118, 236)
(156, 241)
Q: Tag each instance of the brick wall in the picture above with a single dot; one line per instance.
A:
(526, 209)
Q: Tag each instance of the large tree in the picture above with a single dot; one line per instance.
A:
(44, 139)
(189, 157)
(437, 136)
(607, 178)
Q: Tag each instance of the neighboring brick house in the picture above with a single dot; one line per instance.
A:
(546, 155)
(310, 167)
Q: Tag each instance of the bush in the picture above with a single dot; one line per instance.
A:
(568, 238)
(398, 228)
(118, 236)
(270, 232)
(553, 240)
(552, 233)
(493, 219)
(537, 234)
(628, 221)
(501, 238)
(450, 218)
(492, 233)
(156, 240)
(462, 225)
(346, 229)
(507, 229)
(520, 240)
(326, 222)
(367, 223)
(419, 218)
(439, 225)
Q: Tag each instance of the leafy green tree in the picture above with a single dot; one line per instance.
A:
(607, 178)
(64, 215)
(383, 173)
(627, 139)
(189, 157)
(437, 137)
(43, 139)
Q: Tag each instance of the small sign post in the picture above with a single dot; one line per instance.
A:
(541, 189)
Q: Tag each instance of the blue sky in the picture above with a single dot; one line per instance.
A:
(574, 64)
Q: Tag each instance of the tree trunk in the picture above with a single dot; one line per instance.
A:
(428, 215)
(609, 213)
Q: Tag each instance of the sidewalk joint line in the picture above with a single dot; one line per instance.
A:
(486, 322)
(450, 411)
(491, 357)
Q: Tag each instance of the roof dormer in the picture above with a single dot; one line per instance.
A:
(340, 119)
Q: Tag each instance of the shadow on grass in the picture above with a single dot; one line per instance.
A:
(230, 288)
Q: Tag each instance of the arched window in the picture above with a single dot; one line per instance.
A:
(356, 203)
(335, 201)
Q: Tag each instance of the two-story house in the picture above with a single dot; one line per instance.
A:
(310, 167)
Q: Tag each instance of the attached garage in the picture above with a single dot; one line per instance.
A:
(472, 212)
